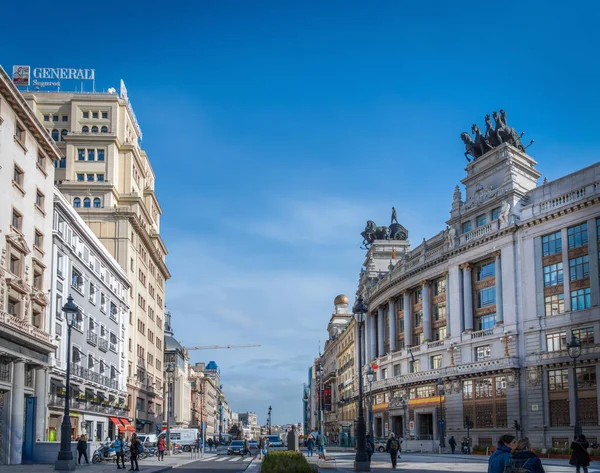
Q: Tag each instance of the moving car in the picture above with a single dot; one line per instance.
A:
(236, 447)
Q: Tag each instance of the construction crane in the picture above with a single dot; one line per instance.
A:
(218, 347)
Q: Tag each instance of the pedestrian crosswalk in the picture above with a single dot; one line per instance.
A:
(223, 458)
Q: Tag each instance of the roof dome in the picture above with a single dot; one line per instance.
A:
(341, 299)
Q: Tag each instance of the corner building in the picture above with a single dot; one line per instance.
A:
(107, 177)
(488, 306)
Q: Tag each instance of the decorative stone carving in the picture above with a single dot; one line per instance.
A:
(534, 374)
(451, 237)
(504, 214)
(480, 196)
(457, 194)
(456, 386)
(511, 378)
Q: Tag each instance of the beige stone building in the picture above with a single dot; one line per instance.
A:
(108, 178)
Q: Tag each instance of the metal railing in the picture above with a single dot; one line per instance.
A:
(90, 375)
(103, 344)
(92, 337)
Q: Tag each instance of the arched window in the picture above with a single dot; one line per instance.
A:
(85, 129)
(96, 203)
(76, 202)
(94, 129)
(63, 133)
(86, 202)
(104, 129)
(55, 135)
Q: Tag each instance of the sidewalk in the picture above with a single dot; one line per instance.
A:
(149, 465)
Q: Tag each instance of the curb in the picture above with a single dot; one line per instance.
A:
(253, 466)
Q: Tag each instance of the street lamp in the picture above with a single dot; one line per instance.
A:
(270, 409)
(320, 387)
(370, 376)
(442, 423)
(574, 347)
(361, 460)
(65, 461)
(305, 399)
(220, 419)
(170, 376)
(404, 406)
(202, 428)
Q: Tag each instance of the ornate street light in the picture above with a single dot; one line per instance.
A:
(442, 422)
(65, 460)
(361, 460)
(574, 348)
(320, 387)
(170, 370)
(404, 406)
(220, 418)
(305, 398)
(370, 377)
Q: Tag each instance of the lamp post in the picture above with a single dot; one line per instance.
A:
(370, 376)
(65, 460)
(442, 422)
(220, 419)
(404, 406)
(320, 389)
(305, 399)
(202, 428)
(270, 409)
(170, 376)
(361, 460)
(574, 348)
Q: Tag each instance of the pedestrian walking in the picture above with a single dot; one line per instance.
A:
(392, 448)
(310, 445)
(502, 456)
(210, 444)
(580, 458)
(370, 446)
(452, 443)
(524, 457)
(162, 445)
(321, 443)
(136, 449)
(119, 446)
(82, 449)
(246, 450)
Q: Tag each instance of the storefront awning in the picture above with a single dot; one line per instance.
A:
(76, 388)
(127, 425)
(118, 424)
(101, 395)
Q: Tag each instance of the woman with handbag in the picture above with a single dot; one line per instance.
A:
(580, 458)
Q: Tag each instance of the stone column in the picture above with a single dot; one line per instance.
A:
(426, 311)
(467, 297)
(17, 412)
(372, 337)
(392, 321)
(448, 314)
(41, 377)
(407, 320)
(499, 305)
(365, 340)
(380, 332)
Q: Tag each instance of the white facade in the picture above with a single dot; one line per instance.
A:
(84, 269)
(27, 156)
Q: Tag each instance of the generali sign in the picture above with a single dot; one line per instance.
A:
(49, 76)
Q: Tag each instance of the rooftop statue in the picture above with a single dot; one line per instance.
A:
(373, 232)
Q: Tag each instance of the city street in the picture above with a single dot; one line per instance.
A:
(217, 463)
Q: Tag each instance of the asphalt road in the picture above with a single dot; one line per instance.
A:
(233, 464)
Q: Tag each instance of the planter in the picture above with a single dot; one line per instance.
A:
(478, 453)
(562, 457)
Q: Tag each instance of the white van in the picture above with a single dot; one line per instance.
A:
(148, 439)
(185, 437)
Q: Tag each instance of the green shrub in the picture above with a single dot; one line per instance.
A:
(596, 452)
(285, 462)
(480, 448)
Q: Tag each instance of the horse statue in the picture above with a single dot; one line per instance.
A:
(490, 133)
(480, 142)
(470, 148)
(506, 134)
(372, 232)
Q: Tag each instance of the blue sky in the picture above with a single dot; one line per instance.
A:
(276, 129)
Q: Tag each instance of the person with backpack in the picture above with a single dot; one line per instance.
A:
(321, 443)
(392, 448)
(524, 459)
(370, 446)
(580, 458)
(119, 446)
(210, 444)
(452, 443)
(136, 449)
(502, 456)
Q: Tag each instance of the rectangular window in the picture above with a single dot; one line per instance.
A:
(418, 339)
(105, 115)
(65, 118)
(20, 133)
(579, 268)
(17, 220)
(553, 274)
(93, 291)
(486, 322)
(100, 177)
(86, 114)
(436, 362)
(18, 175)
(555, 304)
(439, 333)
(483, 353)
(556, 341)
(80, 177)
(558, 380)
(94, 114)
(486, 296)
(580, 299)
(417, 296)
(90, 178)
(397, 370)
(496, 213)
(414, 366)
(552, 244)
(39, 199)
(418, 318)
(77, 280)
(46, 118)
(439, 311)
(584, 335)
(486, 270)
(100, 153)
(466, 227)
(481, 220)
(54, 118)
(81, 154)
(91, 154)
(578, 235)
(41, 160)
(15, 265)
(586, 377)
(39, 239)
(439, 287)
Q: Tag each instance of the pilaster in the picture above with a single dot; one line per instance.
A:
(467, 297)
(17, 412)
(392, 322)
(426, 311)
(408, 333)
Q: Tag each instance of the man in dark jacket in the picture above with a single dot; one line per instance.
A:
(392, 448)
(370, 446)
(501, 457)
(452, 443)
(580, 458)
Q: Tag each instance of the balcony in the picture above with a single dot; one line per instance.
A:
(92, 338)
(24, 328)
(90, 375)
(103, 344)
(480, 232)
(82, 404)
(482, 333)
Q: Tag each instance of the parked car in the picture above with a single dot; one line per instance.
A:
(236, 447)
(380, 445)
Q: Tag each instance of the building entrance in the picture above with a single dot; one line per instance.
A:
(425, 427)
